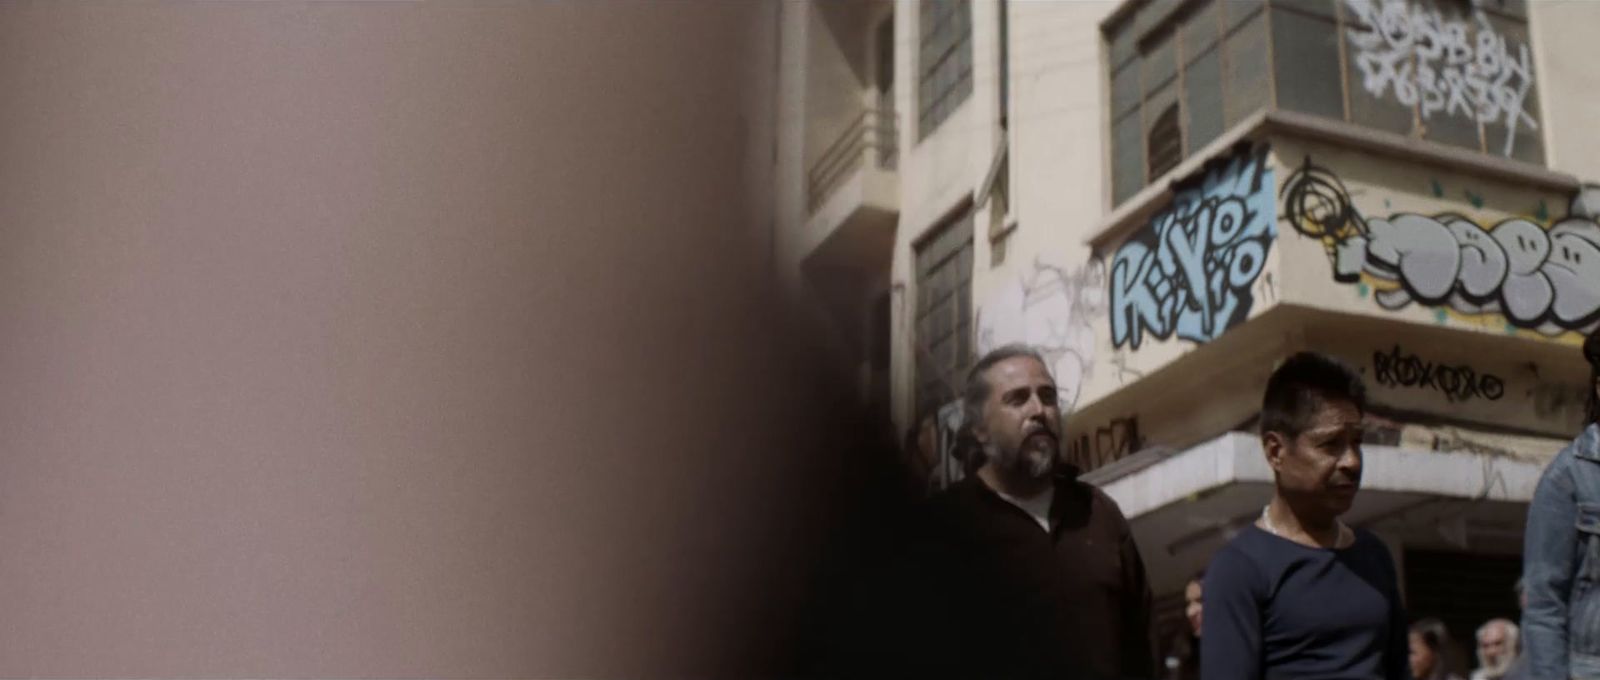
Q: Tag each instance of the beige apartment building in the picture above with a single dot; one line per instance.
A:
(1168, 196)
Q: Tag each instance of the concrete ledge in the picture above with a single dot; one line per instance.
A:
(1236, 457)
(868, 191)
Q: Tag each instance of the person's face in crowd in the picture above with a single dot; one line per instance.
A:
(1494, 649)
(1021, 425)
(1191, 599)
(1422, 658)
(1320, 467)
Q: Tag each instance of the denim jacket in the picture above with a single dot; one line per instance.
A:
(1561, 566)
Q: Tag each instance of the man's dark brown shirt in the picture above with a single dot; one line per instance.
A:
(997, 596)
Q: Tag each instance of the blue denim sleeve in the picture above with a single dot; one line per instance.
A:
(1549, 556)
(1230, 634)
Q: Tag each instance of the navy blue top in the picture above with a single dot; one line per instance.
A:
(1278, 609)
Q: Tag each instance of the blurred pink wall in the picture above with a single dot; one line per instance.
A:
(379, 339)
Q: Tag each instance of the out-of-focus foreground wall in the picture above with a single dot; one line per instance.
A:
(396, 339)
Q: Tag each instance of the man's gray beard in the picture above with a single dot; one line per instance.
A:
(1030, 462)
(1498, 669)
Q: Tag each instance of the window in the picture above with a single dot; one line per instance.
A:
(1005, 63)
(944, 312)
(886, 129)
(883, 45)
(1453, 72)
(1166, 143)
(944, 62)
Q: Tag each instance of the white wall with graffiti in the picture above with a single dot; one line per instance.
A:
(1047, 290)
(1201, 264)
(1258, 228)
(1455, 65)
(1281, 221)
(1417, 376)
(938, 175)
(1442, 248)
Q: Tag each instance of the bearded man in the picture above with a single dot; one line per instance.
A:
(1031, 573)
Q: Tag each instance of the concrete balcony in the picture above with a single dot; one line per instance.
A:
(1459, 285)
(1184, 505)
(853, 196)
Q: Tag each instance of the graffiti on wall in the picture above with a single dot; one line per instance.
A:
(1107, 443)
(1559, 402)
(1458, 383)
(1189, 271)
(1443, 66)
(1051, 309)
(1537, 277)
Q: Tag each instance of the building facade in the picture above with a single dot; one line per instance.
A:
(1166, 197)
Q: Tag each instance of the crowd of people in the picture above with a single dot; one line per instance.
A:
(1037, 573)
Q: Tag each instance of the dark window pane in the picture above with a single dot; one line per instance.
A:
(1160, 63)
(1529, 146)
(1235, 12)
(1246, 71)
(885, 54)
(1164, 144)
(1321, 8)
(1201, 29)
(1122, 45)
(942, 341)
(1157, 13)
(964, 60)
(1513, 106)
(1512, 8)
(1440, 60)
(1459, 131)
(1145, 17)
(1202, 100)
(1157, 102)
(1527, 143)
(1125, 92)
(1373, 100)
(1382, 112)
(944, 73)
(1127, 158)
(1005, 62)
(1306, 50)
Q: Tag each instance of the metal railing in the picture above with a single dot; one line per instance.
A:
(874, 130)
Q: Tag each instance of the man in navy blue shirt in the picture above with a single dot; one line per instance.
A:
(1298, 594)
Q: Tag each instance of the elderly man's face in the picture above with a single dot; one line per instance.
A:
(1494, 647)
(1021, 426)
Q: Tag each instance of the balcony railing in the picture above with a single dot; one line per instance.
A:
(874, 132)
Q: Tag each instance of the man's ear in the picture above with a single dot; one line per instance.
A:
(1274, 445)
(980, 433)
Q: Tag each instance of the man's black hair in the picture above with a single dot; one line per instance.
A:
(1305, 381)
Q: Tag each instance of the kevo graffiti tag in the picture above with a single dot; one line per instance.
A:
(1188, 271)
(1458, 383)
